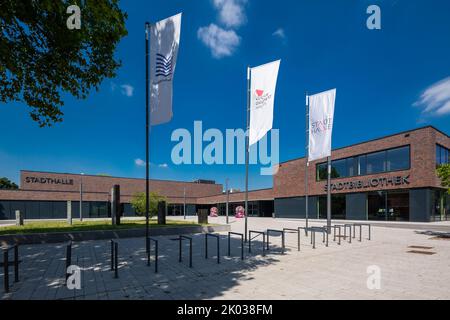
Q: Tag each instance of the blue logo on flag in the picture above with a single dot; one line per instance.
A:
(164, 65)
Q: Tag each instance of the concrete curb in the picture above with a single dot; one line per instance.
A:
(79, 236)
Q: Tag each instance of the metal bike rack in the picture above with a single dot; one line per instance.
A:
(340, 234)
(313, 231)
(335, 227)
(115, 258)
(269, 231)
(288, 230)
(258, 234)
(349, 226)
(361, 225)
(207, 235)
(242, 243)
(150, 240)
(181, 239)
(6, 266)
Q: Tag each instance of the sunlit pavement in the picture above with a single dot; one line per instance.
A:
(334, 272)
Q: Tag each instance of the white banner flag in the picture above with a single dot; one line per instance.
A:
(262, 98)
(321, 116)
(164, 41)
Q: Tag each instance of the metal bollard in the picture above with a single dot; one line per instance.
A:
(16, 263)
(5, 271)
(116, 260)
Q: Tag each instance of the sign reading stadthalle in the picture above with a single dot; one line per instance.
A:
(54, 181)
(371, 183)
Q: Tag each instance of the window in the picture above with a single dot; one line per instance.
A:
(352, 166)
(339, 169)
(378, 162)
(442, 155)
(362, 165)
(322, 172)
(338, 207)
(398, 159)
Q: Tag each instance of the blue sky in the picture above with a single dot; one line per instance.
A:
(387, 81)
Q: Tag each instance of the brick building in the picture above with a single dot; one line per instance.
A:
(391, 178)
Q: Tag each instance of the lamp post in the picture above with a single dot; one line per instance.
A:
(81, 196)
(184, 203)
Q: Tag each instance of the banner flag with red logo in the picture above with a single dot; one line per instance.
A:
(262, 98)
(321, 116)
(164, 41)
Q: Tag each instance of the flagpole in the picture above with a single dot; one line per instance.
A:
(247, 147)
(329, 195)
(147, 135)
(307, 162)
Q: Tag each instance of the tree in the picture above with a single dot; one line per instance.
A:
(7, 184)
(41, 59)
(138, 202)
(443, 173)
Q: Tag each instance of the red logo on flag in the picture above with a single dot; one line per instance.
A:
(259, 93)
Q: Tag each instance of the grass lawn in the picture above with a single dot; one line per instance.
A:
(62, 226)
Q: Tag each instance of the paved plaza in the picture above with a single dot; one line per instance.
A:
(334, 272)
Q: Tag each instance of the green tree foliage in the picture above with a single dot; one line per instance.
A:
(138, 202)
(7, 184)
(443, 173)
(41, 59)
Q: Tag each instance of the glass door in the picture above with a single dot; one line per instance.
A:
(376, 206)
(398, 206)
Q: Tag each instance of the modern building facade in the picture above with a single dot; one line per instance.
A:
(44, 195)
(391, 178)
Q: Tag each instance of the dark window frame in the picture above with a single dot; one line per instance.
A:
(364, 155)
(440, 150)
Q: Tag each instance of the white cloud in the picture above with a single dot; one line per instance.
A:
(127, 90)
(139, 162)
(280, 33)
(231, 12)
(435, 100)
(222, 42)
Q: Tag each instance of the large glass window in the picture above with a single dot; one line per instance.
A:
(339, 169)
(398, 159)
(388, 206)
(352, 166)
(442, 155)
(338, 207)
(378, 162)
(362, 165)
(322, 172)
